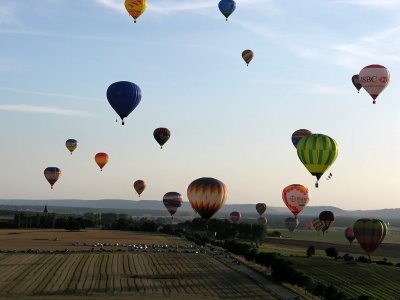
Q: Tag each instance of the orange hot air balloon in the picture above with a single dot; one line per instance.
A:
(247, 56)
(296, 197)
(261, 208)
(139, 186)
(101, 159)
(135, 8)
(52, 174)
(207, 195)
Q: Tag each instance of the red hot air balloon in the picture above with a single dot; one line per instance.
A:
(207, 195)
(247, 56)
(374, 79)
(298, 135)
(52, 174)
(296, 197)
(101, 159)
(261, 208)
(235, 216)
(349, 234)
(309, 225)
(139, 186)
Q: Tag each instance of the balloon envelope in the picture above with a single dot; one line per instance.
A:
(356, 82)
(247, 56)
(262, 220)
(261, 208)
(139, 186)
(52, 174)
(296, 197)
(207, 195)
(172, 201)
(369, 233)
(349, 234)
(227, 7)
(298, 135)
(235, 216)
(327, 218)
(374, 79)
(123, 97)
(317, 224)
(135, 7)
(162, 135)
(71, 145)
(101, 159)
(291, 223)
(317, 152)
(309, 225)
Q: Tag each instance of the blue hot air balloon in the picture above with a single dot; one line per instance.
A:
(123, 97)
(227, 7)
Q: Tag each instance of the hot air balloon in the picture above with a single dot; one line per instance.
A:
(317, 152)
(135, 8)
(317, 224)
(247, 56)
(261, 208)
(369, 233)
(139, 186)
(162, 135)
(123, 97)
(349, 234)
(52, 174)
(327, 218)
(296, 197)
(71, 145)
(207, 195)
(235, 216)
(291, 223)
(309, 225)
(299, 134)
(374, 79)
(356, 82)
(227, 7)
(101, 159)
(172, 201)
(262, 220)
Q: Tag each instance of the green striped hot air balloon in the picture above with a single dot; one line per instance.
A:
(369, 233)
(317, 152)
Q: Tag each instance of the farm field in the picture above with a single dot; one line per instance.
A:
(355, 279)
(11, 239)
(118, 275)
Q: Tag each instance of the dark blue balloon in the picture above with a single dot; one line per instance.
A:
(227, 7)
(123, 97)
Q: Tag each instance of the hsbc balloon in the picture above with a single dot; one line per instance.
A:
(296, 197)
(374, 79)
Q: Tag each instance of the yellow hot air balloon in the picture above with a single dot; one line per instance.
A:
(135, 7)
(207, 196)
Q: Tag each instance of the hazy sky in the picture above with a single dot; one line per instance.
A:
(228, 121)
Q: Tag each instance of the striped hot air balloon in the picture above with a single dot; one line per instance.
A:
(71, 145)
(52, 174)
(374, 79)
(327, 218)
(298, 135)
(135, 8)
(369, 233)
(317, 152)
(172, 201)
(317, 224)
(207, 195)
(139, 186)
(101, 159)
(291, 223)
(247, 56)
(296, 197)
(261, 208)
(235, 216)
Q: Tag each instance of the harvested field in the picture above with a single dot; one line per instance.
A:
(116, 275)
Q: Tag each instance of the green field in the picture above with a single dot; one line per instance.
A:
(380, 282)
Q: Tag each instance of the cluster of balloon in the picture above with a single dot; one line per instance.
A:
(101, 159)
(227, 7)
(349, 234)
(139, 186)
(291, 223)
(298, 135)
(247, 56)
(123, 97)
(374, 79)
(235, 216)
(296, 197)
(172, 201)
(317, 152)
(317, 224)
(327, 218)
(369, 233)
(162, 135)
(356, 82)
(71, 145)
(135, 7)
(52, 174)
(207, 195)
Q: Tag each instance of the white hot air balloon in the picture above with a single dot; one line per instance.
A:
(374, 79)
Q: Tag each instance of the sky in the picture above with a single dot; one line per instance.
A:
(227, 120)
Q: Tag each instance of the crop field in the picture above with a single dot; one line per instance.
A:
(117, 275)
(355, 279)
